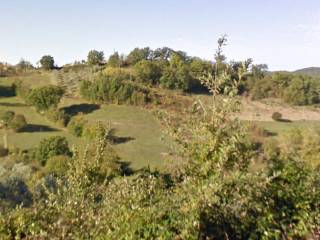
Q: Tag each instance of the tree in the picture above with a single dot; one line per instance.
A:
(147, 71)
(114, 60)
(47, 62)
(45, 97)
(139, 54)
(95, 57)
(177, 74)
(24, 65)
(52, 146)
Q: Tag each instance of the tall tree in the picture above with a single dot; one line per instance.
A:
(95, 57)
(47, 62)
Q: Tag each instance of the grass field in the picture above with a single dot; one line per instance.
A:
(146, 145)
(39, 127)
(142, 146)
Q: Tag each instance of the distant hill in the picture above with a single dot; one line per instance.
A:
(312, 71)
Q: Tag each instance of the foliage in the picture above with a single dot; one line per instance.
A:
(18, 122)
(111, 90)
(95, 57)
(6, 117)
(76, 126)
(293, 89)
(276, 116)
(115, 60)
(148, 72)
(57, 165)
(44, 98)
(52, 146)
(58, 116)
(138, 54)
(94, 131)
(47, 62)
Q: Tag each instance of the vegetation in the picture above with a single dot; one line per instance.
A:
(44, 98)
(47, 62)
(211, 187)
(95, 57)
(276, 116)
(50, 147)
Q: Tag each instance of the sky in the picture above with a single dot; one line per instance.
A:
(285, 34)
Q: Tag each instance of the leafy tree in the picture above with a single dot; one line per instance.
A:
(95, 57)
(147, 71)
(44, 98)
(114, 60)
(177, 74)
(139, 54)
(47, 62)
(52, 146)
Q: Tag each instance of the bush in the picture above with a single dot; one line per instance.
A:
(6, 117)
(276, 116)
(47, 97)
(47, 62)
(18, 123)
(3, 152)
(50, 147)
(94, 131)
(76, 126)
(95, 57)
(57, 165)
(111, 90)
(58, 116)
(148, 72)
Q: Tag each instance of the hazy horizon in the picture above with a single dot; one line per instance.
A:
(284, 37)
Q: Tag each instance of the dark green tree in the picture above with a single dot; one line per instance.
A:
(52, 146)
(47, 62)
(45, 97)
(95, 57)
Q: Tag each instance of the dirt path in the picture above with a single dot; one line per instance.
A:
(262, 111)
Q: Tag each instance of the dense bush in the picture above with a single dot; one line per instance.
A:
(52, 146)
(110, 90)
(47, 62)
(95, 57)
(44, 98)
(18, 122)
(276, 116)
(94, 131)
(57, 165)
(3, 151)
(58, 116)
(76, 126)
(293, 89)
(148, 72)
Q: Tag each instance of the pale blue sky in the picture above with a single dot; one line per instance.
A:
(285, 34)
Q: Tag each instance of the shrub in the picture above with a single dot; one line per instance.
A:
(76, 126)
(95, 57)
(94, 131)
(111, 90)
(52, 146)
(147, 72)
(57, 165)
(3, 151)
(6, 117)
(18, 122)
(47, 97)
(58, 116)
(47, 62)
(276, 116)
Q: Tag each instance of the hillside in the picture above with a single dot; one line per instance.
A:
(311, 71)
